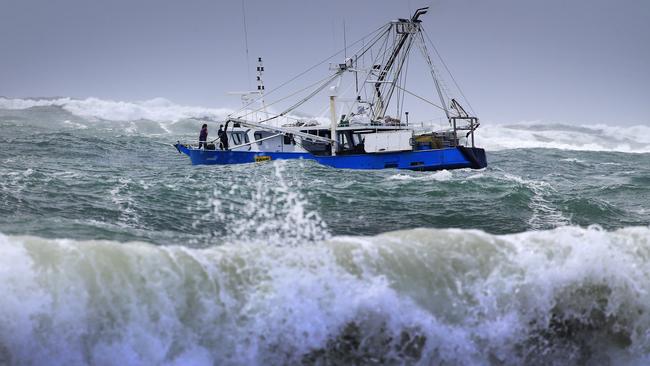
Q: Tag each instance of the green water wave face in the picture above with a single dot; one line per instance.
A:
(110, 180)
(423, 296)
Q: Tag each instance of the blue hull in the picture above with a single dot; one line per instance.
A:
(447, 158)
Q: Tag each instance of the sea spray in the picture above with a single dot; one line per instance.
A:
(272, 210)
(419, 296)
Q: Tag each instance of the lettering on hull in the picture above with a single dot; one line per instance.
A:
(259, 159)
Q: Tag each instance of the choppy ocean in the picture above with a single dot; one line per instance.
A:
(114, 250)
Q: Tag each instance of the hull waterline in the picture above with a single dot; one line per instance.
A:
(435, 159)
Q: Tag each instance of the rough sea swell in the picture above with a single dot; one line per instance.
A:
(426, 296)
(117, 251)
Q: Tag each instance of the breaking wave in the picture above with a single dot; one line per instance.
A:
(525, 135)
(158, 109)
(493, 137)
(565, 296)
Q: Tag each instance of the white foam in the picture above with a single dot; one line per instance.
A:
(475, 298)
(75, 125)
(121, 197)
(15, 182)
(545, 214)
(573, 160)
(158, 109)
(440, 176)
(525, 135)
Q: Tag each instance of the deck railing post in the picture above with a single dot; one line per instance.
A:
(333, 123)
(455, 132)
(471, 125)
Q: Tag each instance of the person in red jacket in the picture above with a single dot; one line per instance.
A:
(203, 136)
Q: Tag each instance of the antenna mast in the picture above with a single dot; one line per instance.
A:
(260, 83)
(345, 42)
(248, 62)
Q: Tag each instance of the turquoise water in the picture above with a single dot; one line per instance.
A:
(115, 250)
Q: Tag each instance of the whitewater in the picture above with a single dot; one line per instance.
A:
(114, 250)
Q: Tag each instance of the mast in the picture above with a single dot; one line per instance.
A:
(248, 61)
(379, 109)
(260, 83)
(333, 121)
(248, 98)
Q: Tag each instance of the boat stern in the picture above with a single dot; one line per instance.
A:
(475, 155)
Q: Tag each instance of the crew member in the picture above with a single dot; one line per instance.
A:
(223, 138)
(203, 136)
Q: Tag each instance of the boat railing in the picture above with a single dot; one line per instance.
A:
(430, 125)
(196, 145)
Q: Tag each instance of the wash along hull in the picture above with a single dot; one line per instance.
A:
(435, 159)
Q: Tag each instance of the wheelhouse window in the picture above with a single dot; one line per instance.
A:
(358, 139)
(345, 140)
(239, 138)
(236, 138)
(322, 133)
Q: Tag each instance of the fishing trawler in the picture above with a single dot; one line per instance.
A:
(360, 132)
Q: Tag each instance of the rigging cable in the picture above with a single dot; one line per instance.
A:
(248, 59)
(381, 30)
(287, 97)
(449, 72)
(423, 49)
(405, 74)
(397, 73)
(384, 35)
(302, 101)
(381, 53)
(421, 98)
(282, 99)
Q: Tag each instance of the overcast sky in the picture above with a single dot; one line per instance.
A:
(580, 61)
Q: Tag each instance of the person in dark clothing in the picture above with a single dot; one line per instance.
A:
(219, 134)
(203, 136)
(223, 138)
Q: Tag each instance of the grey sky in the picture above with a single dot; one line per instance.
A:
(582, 61)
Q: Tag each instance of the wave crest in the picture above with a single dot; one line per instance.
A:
(493, 137)
(526, 135)
(157, 109)
(417, 296)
